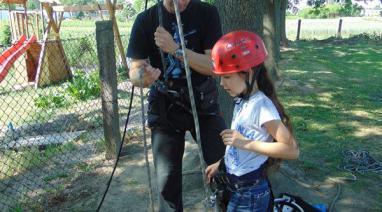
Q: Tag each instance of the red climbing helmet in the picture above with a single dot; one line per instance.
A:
(238, 51)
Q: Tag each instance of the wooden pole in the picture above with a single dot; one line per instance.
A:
(339, 28)
(42, 17)
(298, 29)
(100, 11)
(108, 78)
(26, 20)
(11, 24)
(37, 27)
(117, 34)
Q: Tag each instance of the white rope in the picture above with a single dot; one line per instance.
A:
(144, 139)
(192, 100)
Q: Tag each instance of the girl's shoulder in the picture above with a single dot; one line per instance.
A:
(264, 107)
(260, 99)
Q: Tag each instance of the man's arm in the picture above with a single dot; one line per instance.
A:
(201, 63)
(149, 74)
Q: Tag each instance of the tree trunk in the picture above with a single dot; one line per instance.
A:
(272, 35)
(238, 15)
(284, 39)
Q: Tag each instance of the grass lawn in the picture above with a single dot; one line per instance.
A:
(332, 91)
(336, 104)
(325, 28)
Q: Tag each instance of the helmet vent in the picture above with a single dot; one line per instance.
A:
(233, 56)
(256, 46)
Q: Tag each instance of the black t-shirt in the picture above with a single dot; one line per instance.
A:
(201, 29)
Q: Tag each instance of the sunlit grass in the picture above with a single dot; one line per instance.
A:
(342, 109)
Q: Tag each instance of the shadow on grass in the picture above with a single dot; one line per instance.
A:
(342, 110)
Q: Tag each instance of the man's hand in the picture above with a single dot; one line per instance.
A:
(149, 74)
(211, 170)
(164, 41)
(234, 138)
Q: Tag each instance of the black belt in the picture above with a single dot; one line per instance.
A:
(239, 185)
(233, 182)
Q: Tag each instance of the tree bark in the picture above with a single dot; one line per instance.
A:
(272, 36)
(284, 39)
(238, 15)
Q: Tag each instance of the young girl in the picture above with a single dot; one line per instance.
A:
(260, 132)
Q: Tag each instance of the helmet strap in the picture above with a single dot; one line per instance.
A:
(249, 84)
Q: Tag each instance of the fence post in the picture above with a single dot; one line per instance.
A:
(339, 28)
(298, 29)
(108, 78)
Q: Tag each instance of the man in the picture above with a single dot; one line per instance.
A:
(169, 111)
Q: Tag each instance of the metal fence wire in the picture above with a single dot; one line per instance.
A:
(51, 127)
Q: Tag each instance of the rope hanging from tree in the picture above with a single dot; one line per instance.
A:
(209, 198)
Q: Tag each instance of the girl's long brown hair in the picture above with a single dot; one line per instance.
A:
(266, 85)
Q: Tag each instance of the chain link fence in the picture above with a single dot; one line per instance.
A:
(51, 128)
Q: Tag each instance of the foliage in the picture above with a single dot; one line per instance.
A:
(78, 2)
(84, 86)
(5, 38)
(350, 9)
(53, 99)
(80, 15)
(81, 51)
(4, 6)
(316, 3)
(122, 73)
(331, 11)
(128, 12)
(367, 37)
(32, 5)
(210, 1)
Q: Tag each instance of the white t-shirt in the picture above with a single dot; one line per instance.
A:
(248, 119)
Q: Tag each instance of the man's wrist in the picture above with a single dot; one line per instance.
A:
(176, 49)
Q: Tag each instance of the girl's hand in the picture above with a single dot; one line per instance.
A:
(234, 138)
(211, 170)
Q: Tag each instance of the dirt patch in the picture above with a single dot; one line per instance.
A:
(129, 189)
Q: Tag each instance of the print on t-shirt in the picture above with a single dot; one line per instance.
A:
(175, 68)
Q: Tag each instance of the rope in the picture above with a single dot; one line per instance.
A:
(160, 17)
(355, 161)
(361, 162)
(144, 140)
(119, 151)
(192, 100)
(123, 138)
(337, 181)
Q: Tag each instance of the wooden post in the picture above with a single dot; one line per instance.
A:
(108, 77)
(37, 27)
(111, 8)
(298, 29)
(339, 28)
(26, 20)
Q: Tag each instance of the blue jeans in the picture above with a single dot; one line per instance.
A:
(251, 199)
